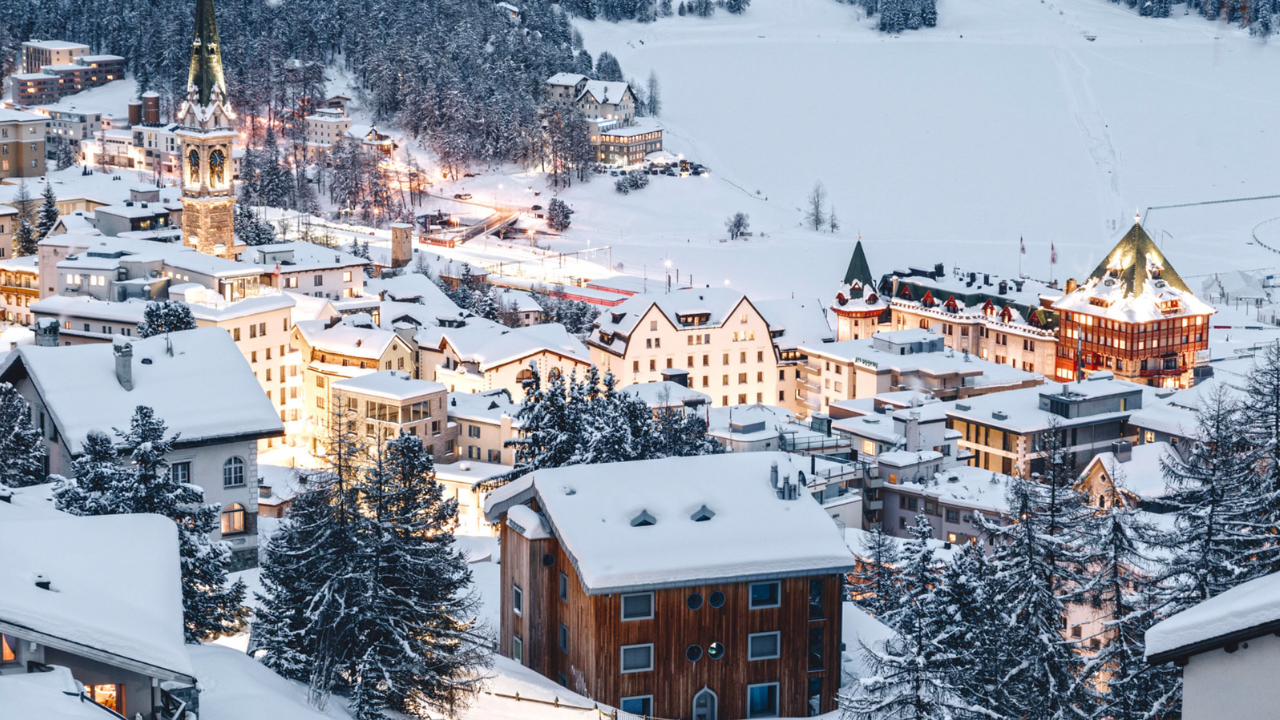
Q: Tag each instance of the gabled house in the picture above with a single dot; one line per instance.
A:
(482, 357)
(100, 599)
(197, 381)
(705, 587)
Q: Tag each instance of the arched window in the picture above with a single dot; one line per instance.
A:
(193, 166)
(233, 519)
(233, 472)
(217, 166)
(525, 375)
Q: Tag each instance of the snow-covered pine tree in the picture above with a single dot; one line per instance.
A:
(1120, 586)
(165, 316)
(682, 433)
(1219, 505)
(21, 445)
(416, 614)
(1043, 678)
(1261, 401)
(558, 215)
(25, 241)
(654, 86)
(911, 672)
(47, 215)
(875, 585)
(737, 7)
(607, 67)
(833, 222)
(969, 624)
(104, 486)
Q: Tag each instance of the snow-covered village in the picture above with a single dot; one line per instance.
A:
(639, 359)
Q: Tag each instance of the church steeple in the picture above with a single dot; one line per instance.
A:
(206, 55)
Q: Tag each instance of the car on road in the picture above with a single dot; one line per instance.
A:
(462, 196)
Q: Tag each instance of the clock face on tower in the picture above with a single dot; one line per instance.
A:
(193, 166)
(217, 168)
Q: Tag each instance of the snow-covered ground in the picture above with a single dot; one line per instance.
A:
(942, 145)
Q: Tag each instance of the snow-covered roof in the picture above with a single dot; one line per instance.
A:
(486, 407)
(564, 78)
(1243, 612)
(470, 471)
(859, 629)
(947, 362)
(796, 322)
(605, 91)
(51, 695)
(409, 287)
(666, 394)
(718, 304)
(204, 390)
(639, 126)
(1022, 412)
(872, 427)
(519, 300)
(390, 384)
(115, 587)
(346, 339)
(593, 511)
(966, 486)
(300, 256)
(492, 346)
(1141, 474)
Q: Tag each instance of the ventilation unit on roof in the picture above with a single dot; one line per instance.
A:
(644, 519)
(702, 514)
(1000, 415)
(43, 582)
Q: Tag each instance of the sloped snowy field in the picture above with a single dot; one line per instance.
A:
(945, 144)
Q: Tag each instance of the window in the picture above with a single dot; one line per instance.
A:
(319, 280)
(233, 519)
(563, 638)
(766, 595)
(715, 650)
(495, 457)
(517, 649)
(717, 599)
(816, 608)
(815, 647)
(346, 276)
(517, 599)
(641, 705)
(180, 472)
(953, 516)
(762, 700)
(564, 587)
(694, 601)
(8, 649)
(109, 696)
(233, 472)
(637, 606)
(637, 658)
(763, 646)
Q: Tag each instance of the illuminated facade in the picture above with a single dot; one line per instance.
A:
(1134, 317)
(206, 123)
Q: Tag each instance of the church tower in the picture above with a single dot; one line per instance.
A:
(206, 128)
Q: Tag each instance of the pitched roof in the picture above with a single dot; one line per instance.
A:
(1241, 613)
(1134, 259)
(206, 54)
(859, 270)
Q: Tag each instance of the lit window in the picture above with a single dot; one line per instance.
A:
(233, 519)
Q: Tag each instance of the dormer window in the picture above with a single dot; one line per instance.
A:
(643, 519)
(702, 514)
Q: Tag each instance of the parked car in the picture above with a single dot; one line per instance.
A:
(469, 175)
(462, 196)
(537, 207)
(613, 173)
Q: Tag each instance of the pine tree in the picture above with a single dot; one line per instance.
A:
(558, 215)
(104, 486)
(911, 673)
(48, 213)
(1220, 506)
(833, 223)
(681, 12)
(1261, 413)
(875, 586)
(166, 316)
(971, 632)
(737, 7)
(22, 448)
(607, 67)
(24, 239)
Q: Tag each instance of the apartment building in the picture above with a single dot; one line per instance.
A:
(716, 334)
(325, 128)
(38, 53)
(482, 355)
(486, 421)
(22, 144)
(390, 403)
(309, 269)
(19, 287)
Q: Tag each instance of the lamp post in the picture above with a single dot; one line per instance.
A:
(667, 264)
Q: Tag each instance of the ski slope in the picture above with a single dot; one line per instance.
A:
(941, 145)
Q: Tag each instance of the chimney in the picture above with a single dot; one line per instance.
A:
(401, 244)
(773, 474)
(135, 113)
(124, 363)
(264, 491)
(1071, 285)
(43, 582)
(1123, 450)
(913, 431)
(986, 279)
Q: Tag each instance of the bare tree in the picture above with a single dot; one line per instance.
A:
(737, 224)
(655, 94)
(816, 216)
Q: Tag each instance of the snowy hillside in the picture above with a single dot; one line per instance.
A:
(946, 144)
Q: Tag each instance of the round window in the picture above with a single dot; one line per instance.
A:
(548, 560)
(715, 650)
(717, 599)
(695, 601)
(693, 652)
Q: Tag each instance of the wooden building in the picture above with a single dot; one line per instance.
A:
(1134, 317)
(704, 587)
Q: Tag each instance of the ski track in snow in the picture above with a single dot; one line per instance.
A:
(1093, 126)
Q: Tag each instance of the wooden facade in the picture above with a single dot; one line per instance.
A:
(577, 639)
(1161, 353)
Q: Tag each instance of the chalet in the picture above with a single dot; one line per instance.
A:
(1134, 317)
(705, 587)
(218, 418)
(94, 606)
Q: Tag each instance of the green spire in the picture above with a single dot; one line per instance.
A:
(206, 54)
(1135, 259)
(858, 269)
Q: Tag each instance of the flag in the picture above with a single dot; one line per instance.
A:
(1053, 254)
(1022, 246)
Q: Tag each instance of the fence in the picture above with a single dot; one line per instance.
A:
(595, 712)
